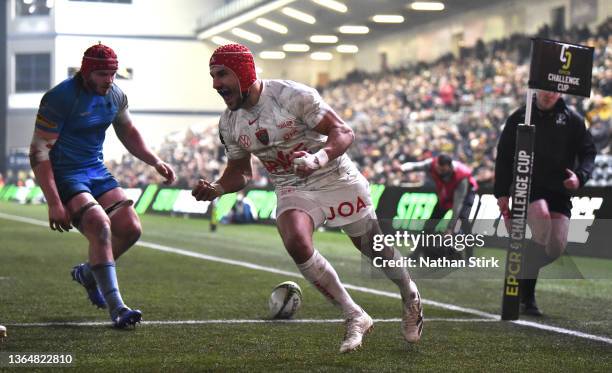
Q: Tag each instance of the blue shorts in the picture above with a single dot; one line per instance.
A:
(95, 181)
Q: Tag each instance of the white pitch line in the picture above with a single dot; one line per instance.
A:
(258, 267)
(574, 333)
(237, 321)
(389, 294)
(24, 219)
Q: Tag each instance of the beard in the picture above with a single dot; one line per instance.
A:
(101, 90)
(240, 100)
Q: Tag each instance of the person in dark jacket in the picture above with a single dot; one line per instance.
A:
(563, 162)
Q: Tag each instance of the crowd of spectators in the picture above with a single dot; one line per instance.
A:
(456, 105)
(194, 154)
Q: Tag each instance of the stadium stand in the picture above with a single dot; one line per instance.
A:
(455, 105)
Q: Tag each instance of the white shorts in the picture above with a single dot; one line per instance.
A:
(346, 204)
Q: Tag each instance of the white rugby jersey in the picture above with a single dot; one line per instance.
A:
(281, 123)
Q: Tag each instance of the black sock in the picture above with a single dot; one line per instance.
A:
(535, 258)
(528, 289)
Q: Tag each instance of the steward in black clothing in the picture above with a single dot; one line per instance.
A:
(564, 158)
(562, 142)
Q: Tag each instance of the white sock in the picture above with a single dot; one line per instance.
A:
(400, 276)
(322, 275)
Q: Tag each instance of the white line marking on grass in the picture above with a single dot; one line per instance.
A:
(389, 294)
(238, 321)
(24, 220)
(555, 329)
(362, 289)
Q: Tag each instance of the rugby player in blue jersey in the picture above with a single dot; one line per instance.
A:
(66, 157)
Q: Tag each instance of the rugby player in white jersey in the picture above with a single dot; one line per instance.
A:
(302, 142)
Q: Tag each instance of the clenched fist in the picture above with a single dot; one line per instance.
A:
(206, 191)
(304, 163)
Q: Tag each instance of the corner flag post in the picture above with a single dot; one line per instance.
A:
(523, 164)
(558, 67)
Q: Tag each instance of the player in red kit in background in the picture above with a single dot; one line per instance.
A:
(455, 188)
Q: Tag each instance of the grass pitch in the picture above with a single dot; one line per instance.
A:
(36, 288)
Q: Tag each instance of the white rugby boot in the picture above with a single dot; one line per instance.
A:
(412, 318)
(356, 328)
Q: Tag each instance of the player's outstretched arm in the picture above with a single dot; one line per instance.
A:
(235, 177)
(41, 145)
(423, 165)
(132, 140)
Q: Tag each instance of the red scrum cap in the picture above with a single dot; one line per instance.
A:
(239, 59)
(98, 57)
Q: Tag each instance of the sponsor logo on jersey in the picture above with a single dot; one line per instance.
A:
(289, 135)
(244, 141)
(286, 124)
(283, 160)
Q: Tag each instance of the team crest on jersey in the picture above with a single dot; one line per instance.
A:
(262, 136)
(561, 119)
(244, 141)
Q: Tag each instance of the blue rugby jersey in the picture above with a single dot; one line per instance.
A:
(80, 118)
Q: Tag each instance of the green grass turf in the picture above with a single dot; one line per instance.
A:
(35, 286)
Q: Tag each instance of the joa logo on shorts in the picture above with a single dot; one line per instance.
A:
(566, 58)
(347, 208)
